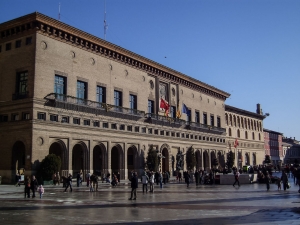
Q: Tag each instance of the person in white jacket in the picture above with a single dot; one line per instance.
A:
(151, 182)
(145, 179)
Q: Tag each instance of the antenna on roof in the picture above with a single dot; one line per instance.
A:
(105, 25)
(59, 11)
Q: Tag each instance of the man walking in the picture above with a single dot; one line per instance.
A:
(236, 178)
(145, 179)
(33, 186)
(134, 186)
(69, 183)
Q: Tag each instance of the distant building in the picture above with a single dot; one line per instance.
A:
(273, 146)
(291, 150)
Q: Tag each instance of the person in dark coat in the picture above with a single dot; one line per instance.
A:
(134, 186)
(33, 186)
(78, 179)
(69, 182)
(187, 179)
(267, 180)
(197, 177)
(27, 183)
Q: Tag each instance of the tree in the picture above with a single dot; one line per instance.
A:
(230, 160)
(190, 158)
(152, 159)
(50, 165)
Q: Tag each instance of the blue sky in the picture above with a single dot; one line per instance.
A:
(249, 48)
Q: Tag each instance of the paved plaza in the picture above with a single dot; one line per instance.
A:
(173, 204)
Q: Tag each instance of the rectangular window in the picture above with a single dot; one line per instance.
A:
(3, 118)
(118, 98)
(26, 116)
(65, 119)
(177, 134)
(167, 133)
(197, 117)
(76, 121)
(81, 91)
(137, 129)
(182, 135)
(143, 129)
(122, 127)
(173, 111)
(101, 94)
(133, 102)
(114, 126)
(22, 81)
(28, 41)
(129, 128)
(212, 120)
(53, 118)
(204, 118)
(105, 125)
(18, 43)
(41, 116)
(162, 132)
(15, 117)
(173, 134)
(60, 86)
(187, 136)
(218, 122)
(156, 132)
(189, 116)
(86, 122)
(8, 47)
(150, 106)
(150, 130)
(96, 124)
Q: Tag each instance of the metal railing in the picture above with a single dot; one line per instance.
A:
(21, 95)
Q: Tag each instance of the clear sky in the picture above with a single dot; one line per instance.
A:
(249, 48)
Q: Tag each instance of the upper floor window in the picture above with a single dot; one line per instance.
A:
(173, 112)
(28, 41)
(212, 120)
(197, 117)
(204, 118)
(54, 118)
(41, 116)
(246, 135)
(22, 80)
(253, 136)
(26, 116)
(101, 94)
(8, 46)
(189, 115)
(18, 43)
(150, 106)
(132, 101)
(81, 90)
(15, 117)
(218, 122)
(60, 86)
(229, 132)
(3, 118)
(118, 98)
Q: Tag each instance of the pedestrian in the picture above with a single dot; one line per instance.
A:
(118, 177)
(278, 183)
(236, 178)
(164, 177)
(160, 178)
(81, 177)
(179, 176)
(267, 180)
(41, 190)
(197, 177)
(187, 179)
(78, 179)
(18, 180)
(69, 183)
(134, 186)
(151, 181)
(58, 178)
(157, 177)
(54, 179)
(88, 179)
(284, 179)
(145, 179)
(27, 183)
(33, 186)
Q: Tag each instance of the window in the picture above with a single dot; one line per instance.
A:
(22, 81)
(53, 117)
(101, 94)
(173, 111)
(137, 129)
(41, 116)
(132, 102)
(81, 91)
(218, 122)
(253, 136)
(204, 118)
(60, 86)
(122, 127)
(76, 121)
(229, 132)
(150, 106)
(129, 128)
(155, 131)
(150, 131)
(162, 132)
(246, 135)
(114, 126)
(86, 122)
(18, 43)
(167, 133)
(65, 119)
(96, 124)
(212, 120)
(8, 47)
(182, 135)
(0, 48)
(173, 134)
(15, 117)
(3, 118)
(143, 129)
(238, 133)
(189, 115)
(26, 116)
(118, 98)
(187, 136)
(28, 41)
(105, 125)
(177, 134)
(197, 117)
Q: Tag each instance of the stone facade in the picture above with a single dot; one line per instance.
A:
(96, 105)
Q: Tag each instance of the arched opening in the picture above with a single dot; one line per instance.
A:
(165, 160)
(132, 156)
(99, 160)
(246, 135)
(238, 133)
(198, 160)
(58, 148)
(253, 136)
(206, 161)
(117, 161)
(221, 160)
(247, 159)
(229, 131)
(213, 159)
(80, 159)
(254, 159)
(18, 158)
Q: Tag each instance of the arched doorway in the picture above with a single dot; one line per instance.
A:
(206, 161)
(59, 149)
(80, 159)
(99, 160)
(198, 160)
(18, 158)
(254, 159)
(132, 159)
(117, 161)
(165, 160)
(247, 159)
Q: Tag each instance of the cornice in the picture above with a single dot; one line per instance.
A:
(232, 109)
(71, 35)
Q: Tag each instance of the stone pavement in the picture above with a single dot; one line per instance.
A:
(174, 204)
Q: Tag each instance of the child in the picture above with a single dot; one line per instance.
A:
(41, 190)
(279, 183)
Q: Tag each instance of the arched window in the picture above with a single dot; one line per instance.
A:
(242, 120)
(246, 135)
(255, 122)
(230, 120)
(251, 124)
(259, 137)
(246, 124)
(226, 118)
(253, 136)
(238, 133)
(229, 132)
(234, 121)
(238, 121)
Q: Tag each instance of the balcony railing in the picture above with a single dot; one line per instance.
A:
(87, 106)
(205, 127)
(21, 95)
(163, 120)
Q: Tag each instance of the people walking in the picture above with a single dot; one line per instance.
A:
(197, 177)
(58, 178)
(134, 186)
(69, 183)
(236, 178)
(88, 179)
(160, 178)
(78, 179)
(27, 183)
(151, 182)
(267, 180)
(41, 190)
(145, 179)
(284, 179)
(187, 178)
(33, 186)
(278, 183)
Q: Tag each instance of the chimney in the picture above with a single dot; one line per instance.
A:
(258, 109)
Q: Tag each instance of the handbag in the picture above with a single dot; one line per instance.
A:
(288, 185)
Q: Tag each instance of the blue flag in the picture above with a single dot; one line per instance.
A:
(185, 109)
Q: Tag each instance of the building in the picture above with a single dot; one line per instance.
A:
(245, 135)
(97, 105)
(273, 146)
(291, 150)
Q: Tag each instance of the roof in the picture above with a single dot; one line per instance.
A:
(229, 108)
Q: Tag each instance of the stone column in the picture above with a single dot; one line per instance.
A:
(125, 162)
(108, 157)
(202, 156)
(209, 158)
